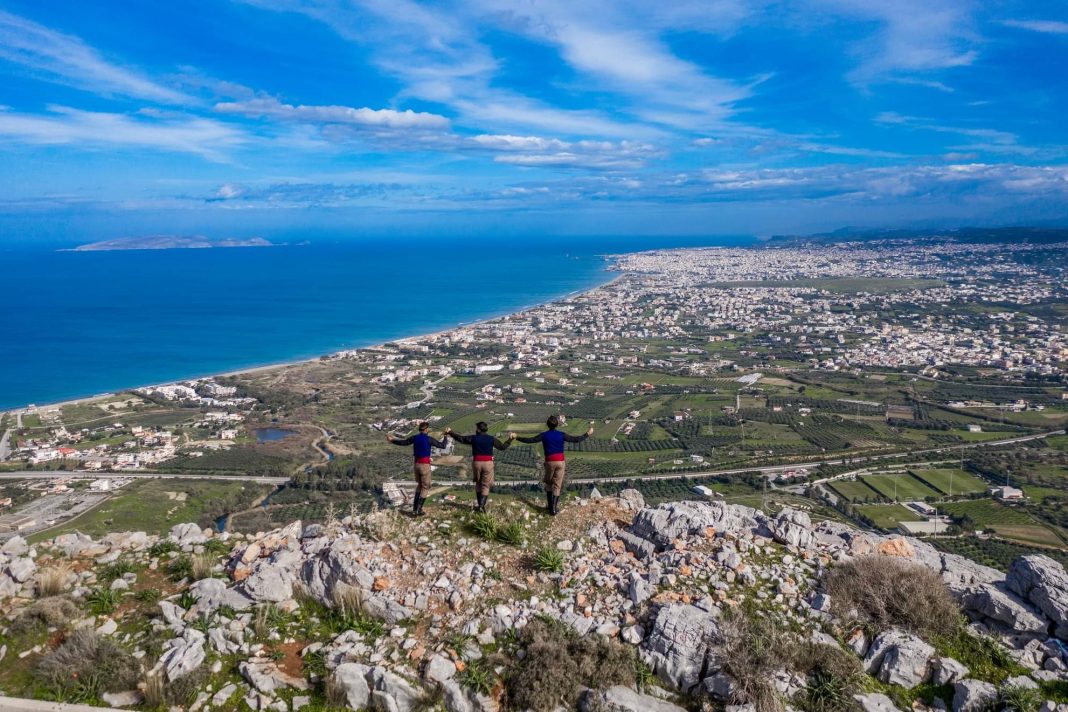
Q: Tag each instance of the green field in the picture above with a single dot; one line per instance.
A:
(952, 482)
(887, 516)
(146, 506)
(986, 512)
(854, 491)
(906, 487)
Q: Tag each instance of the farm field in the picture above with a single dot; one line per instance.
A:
(854, 491)
(887, 516)
(951, 481)
(154, 506)
(906, 487)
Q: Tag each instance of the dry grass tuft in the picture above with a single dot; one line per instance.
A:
(51, 580)
(887, 592)
(201, 566)
(348, 600)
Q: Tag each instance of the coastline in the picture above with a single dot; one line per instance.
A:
(264, 368)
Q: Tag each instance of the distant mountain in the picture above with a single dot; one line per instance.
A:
(169, 242)
(971, 235)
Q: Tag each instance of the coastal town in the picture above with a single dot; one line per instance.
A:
(774, 361)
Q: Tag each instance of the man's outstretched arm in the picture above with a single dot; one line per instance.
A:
(530, 439)
(578, 438)
(401, 441)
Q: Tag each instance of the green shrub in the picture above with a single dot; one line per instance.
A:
(162, 548)
(116, 570)
(484, 525)
(983, 656)
(53, 612)
(102, 601)
(479, 677)
(180, 568)
(511, 534)
(1020, 699)
(558, 664)
(549, 559)
(85, 666)
(888, 592)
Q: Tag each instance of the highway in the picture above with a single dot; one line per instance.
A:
(52, 474)
(767, 469)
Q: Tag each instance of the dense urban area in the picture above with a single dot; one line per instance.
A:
(904, 394)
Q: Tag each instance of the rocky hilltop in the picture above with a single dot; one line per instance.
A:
(612, 606)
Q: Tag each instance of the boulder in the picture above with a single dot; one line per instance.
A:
(678, 645)
(876, 702)
(793, 528)
(624, 699)
(15, 546)
(187, 534)
(212, 593)
(899, 658)
(1044, 583)
(667, 522)
(392, 692)
(271, 579)
(21, 569)
(973, 696)
(991, 603)
(339, 563)
(948, 671)
(439, 669)
(184, 655)
(641, 548)
(352, 679)
(126, 541)
(631, 500)
(640, 591)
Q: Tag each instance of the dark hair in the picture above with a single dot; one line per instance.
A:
(424, 426)
(481, 426)
(552, 422)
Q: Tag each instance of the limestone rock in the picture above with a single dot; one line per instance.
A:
(1043, 582)
(352, 678)
(948, 671)
(994, 604)
(793, 528)
(624, 699)
(876, 702)
(973, 696)
(186, 534)
(667, 522)
(185, 654)
(899, 658)
(678, 645)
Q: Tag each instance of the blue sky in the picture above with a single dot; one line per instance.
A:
(281, 117)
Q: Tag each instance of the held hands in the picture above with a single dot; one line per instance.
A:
(589, 430)
(512, 436)
(389, 437)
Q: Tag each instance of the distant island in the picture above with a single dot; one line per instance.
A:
(169, 242)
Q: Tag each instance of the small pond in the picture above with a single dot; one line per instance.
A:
(270, 435)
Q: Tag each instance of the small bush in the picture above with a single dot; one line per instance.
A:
(982, 655)
(484, 525)
(512, 534)
(115, 570)
(180, 568)
(186, 599)
(479, 677)
(1020, 699)
(558, 664)
(549, 559)
(148, 595)
(51, 580)
(162, 548)
(217, 547)
(102, 601)
(53, 612)
(85, 666)
(887, 592)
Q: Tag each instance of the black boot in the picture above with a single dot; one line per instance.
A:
(556, 505)
(417, 506)
(549, 503)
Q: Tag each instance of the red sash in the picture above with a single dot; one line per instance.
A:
(483, 458)
(556, 457)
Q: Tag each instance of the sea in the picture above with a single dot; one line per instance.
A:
(78, 324)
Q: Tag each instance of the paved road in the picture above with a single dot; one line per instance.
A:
(51, 474)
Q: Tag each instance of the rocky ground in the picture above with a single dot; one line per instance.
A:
(610, 606)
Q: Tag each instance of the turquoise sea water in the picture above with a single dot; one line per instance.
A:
(75, 324)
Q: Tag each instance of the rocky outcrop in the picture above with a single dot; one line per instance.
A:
(678, 645)
(793, 528)
(624, 699)
(999, 608)
(1044, 583)
(973, 696)
(667, 522)
(899, 658)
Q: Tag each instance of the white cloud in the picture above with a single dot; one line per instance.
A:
(68, 60)
(65, 126)
(365, 117)
(1049, 27)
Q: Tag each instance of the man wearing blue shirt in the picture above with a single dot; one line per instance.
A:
(482, 446)
(552, 442)
(421, 444)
